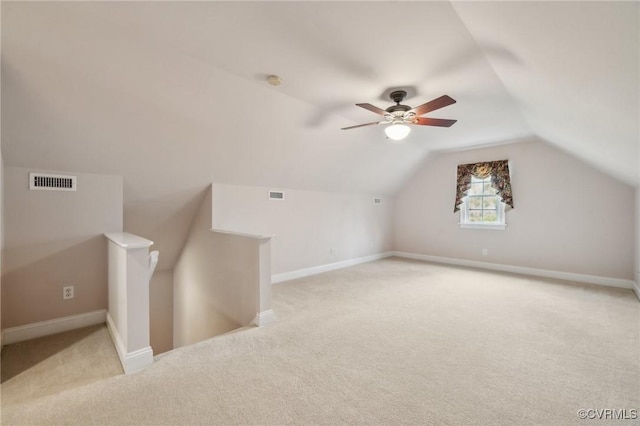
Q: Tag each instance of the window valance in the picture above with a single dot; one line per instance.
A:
(500, 180)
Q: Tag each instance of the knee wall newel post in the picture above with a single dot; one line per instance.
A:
(265, 314)
(128, 313)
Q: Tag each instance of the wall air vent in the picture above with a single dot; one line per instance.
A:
(49, 182)
(377, 201)
(276, 195)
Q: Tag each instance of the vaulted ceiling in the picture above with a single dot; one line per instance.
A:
(173, 95)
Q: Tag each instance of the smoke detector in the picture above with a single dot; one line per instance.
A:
(274, 80)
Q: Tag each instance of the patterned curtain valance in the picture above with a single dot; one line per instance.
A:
(500, 181)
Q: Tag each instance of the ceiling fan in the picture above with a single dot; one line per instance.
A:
(398, 116)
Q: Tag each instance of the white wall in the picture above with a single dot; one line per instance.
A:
(308, 225)
(567, 216)
(117, 291)
(161, 311)
(216, 282)
(56, 239)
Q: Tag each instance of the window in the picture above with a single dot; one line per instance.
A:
(482, 207)
(482, 191)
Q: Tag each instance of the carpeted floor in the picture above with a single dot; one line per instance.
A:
(53, 364)
(388, 342)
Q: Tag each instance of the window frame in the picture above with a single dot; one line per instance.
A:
(465, 223)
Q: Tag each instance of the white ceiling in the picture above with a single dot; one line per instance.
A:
(173, 95)
(574, 73)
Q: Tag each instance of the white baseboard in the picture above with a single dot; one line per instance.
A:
(286, 276)
(117, 340)
(131, 361)
(264, 318)
(560, 275)
(137, 360)
(54, 326)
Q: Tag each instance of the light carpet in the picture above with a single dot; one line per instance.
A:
(52, 364)
(388, 342)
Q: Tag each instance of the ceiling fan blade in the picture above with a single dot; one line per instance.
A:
(433, 105)
(440, 122)
(372, 108)
(361, 125)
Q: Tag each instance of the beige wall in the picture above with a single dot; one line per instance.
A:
(637, 234)
(567, 216)
(1, 233)
(55, 239)
(311, 228)
(1, 195)
(161, 311)
(215, 282)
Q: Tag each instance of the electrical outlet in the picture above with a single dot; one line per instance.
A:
(485, 252)
(68, 292)
(332, 251)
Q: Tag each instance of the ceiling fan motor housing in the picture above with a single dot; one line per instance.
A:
(397, 96)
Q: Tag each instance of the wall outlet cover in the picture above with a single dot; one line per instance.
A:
(68, 292)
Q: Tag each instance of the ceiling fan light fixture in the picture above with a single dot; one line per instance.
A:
(397, 131)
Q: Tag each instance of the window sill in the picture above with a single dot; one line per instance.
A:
(494, 227)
